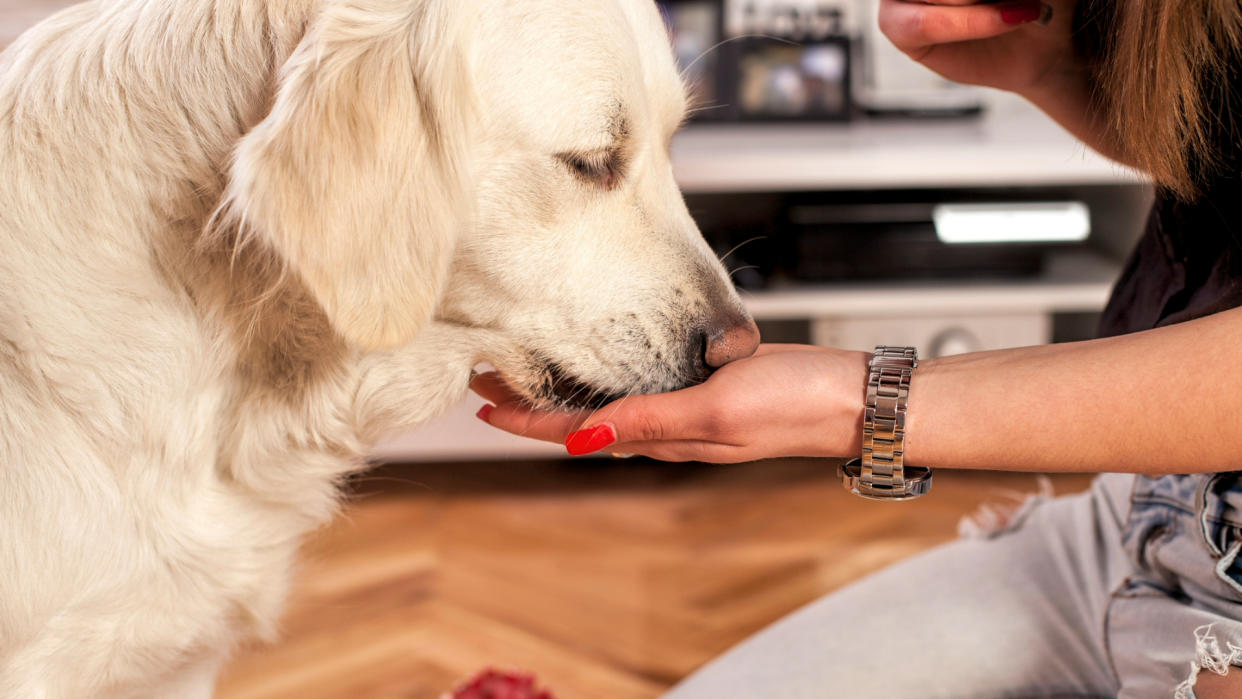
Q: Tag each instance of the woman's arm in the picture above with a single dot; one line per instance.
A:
(1161, 401)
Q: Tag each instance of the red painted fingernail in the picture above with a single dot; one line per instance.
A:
(590, 440)
(485, 412)
(1020, 15)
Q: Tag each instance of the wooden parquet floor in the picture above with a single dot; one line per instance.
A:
(609, 580)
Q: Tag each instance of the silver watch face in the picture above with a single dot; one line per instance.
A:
(917, 482)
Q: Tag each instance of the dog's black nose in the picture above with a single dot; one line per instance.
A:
(729, 337)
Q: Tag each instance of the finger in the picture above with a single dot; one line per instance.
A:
(640, 418)
(492, 387)
(691, 414)
(524, 421)
(686, 450)
(915, 26)
(687, 415)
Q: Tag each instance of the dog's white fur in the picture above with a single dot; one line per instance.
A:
(239, 239)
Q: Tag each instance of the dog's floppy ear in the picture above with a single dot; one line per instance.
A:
(355, 178)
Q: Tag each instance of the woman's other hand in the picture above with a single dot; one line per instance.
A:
(1013, 46)
(1022, 46)
(786, 400)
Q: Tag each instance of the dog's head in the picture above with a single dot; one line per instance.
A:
(498, 165)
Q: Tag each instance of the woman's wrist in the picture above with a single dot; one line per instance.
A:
(840, 397)
(923, 390)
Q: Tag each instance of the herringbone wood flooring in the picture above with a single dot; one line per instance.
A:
(609, 580)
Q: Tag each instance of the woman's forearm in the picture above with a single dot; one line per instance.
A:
(1160, 401)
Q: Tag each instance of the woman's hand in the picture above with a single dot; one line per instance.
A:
(786, 400)
(1023, 46)
(1015, 46)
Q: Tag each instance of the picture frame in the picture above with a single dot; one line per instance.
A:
(747, 63)
(781, 80)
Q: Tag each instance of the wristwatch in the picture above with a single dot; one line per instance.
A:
(881, 473)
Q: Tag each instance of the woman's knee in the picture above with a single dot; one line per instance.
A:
(1210, 685)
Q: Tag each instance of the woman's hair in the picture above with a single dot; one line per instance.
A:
(1165, 75)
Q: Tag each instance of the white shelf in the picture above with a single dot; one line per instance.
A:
(1011, 144)
(1074, 282)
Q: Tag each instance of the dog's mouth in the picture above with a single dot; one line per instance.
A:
(552, 385)
(569, 391)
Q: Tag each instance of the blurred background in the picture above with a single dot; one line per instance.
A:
(860, 200)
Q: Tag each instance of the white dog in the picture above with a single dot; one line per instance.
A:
(238, 239)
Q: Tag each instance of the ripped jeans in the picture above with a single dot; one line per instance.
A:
(1124, 591)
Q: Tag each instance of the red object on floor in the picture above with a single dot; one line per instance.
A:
(493, 684)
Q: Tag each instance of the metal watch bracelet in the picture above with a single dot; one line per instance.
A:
(881, 473)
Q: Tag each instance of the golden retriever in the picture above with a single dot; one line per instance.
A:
(241, 238)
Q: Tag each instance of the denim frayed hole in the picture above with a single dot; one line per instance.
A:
(1209, 655)
(993, 519)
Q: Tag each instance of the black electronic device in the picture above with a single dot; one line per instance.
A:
(781, 239)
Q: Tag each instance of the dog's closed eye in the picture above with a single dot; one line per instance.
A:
(601, 168)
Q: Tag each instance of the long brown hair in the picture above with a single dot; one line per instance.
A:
(1164, 73)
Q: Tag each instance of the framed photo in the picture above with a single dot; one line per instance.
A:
(750, 61)
(800, 81)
